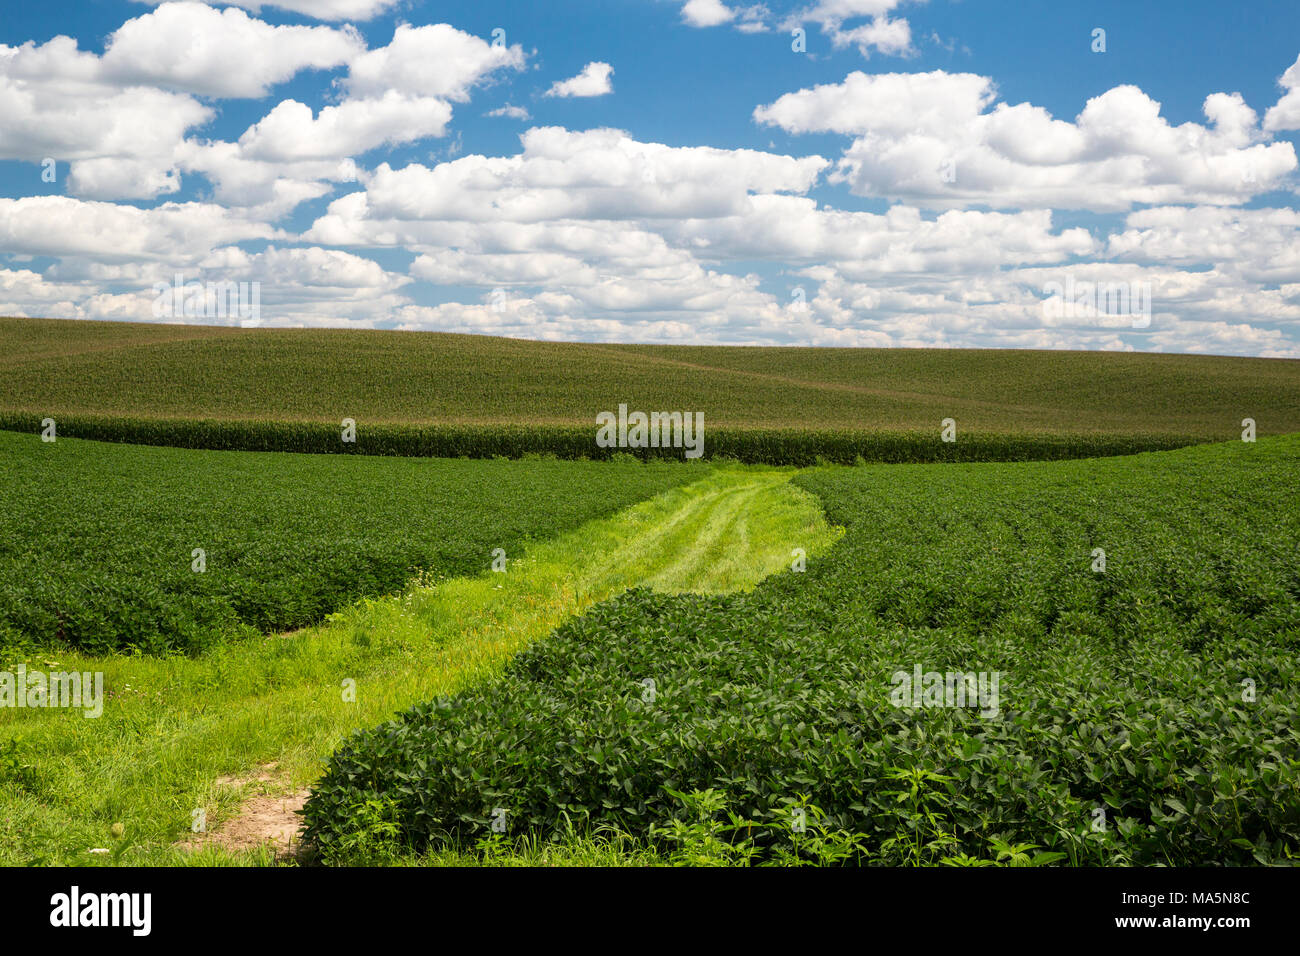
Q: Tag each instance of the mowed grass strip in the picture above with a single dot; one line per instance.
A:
(172, 726)
(72, 368)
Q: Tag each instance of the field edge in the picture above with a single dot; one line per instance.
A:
(798, 447)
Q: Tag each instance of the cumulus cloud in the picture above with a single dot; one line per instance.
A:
(1260, 245)
(840, 21)
(860, 245)
(319, 9)
(707, 13)
(394, 95)
(575, 216)
(296, 287)
(597, 223)
(220, 53)
(1286, 114)
(864, 24)
(27, 293)
(594, 80)
(263, 190)
(120, 140)
(397, 94)
(310, 286)
(62, 226)
(597, 235)
(435, 60)
(290, 133)
(601, 279)
(122, 121)
(930, 138)
(560, 174)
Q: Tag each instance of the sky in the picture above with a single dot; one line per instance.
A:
(881, 173)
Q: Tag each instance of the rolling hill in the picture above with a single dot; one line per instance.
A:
(93, 374)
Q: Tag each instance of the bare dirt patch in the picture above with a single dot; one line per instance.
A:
(268, 818)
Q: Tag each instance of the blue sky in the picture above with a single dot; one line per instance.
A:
(967, 173)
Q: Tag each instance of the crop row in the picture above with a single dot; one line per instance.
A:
(110, 547)
(799, 447)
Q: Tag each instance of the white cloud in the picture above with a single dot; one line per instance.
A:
(221, 53)
(585, 225)
(27, 293)
(54, 102)
(603, 276)
(297, 287)
(1260, 245)
(263, 190)
(929, 138)
(436, 60)
(310, 286)
(837, 19)
(289, 133)
(319, 9)
(592, 81)
(707, 13)
(511, 112)
(110, 177)
(597, 174)
(120, 141)
(891, 37)
(1286, 114)
(893, 103)
(597, 235)
(312, 268)
(125, 138)
(859, 245)
(883, 34)
(111, 232)
(395, 95)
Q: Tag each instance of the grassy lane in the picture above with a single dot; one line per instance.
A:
(172, 726)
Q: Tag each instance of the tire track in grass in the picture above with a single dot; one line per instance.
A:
(156, 757)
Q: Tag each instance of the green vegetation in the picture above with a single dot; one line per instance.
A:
(1146, 711)
(98, 549)
(750, 445)
(258, 389)
(173, 725)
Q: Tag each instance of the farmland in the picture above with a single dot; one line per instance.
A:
(244, 719)
(651, 679)
(1146, 711)
(100, 539)
(244, 388)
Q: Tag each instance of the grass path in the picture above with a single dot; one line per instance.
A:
(173, 726)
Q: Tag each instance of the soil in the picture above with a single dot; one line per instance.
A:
(267, 818)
